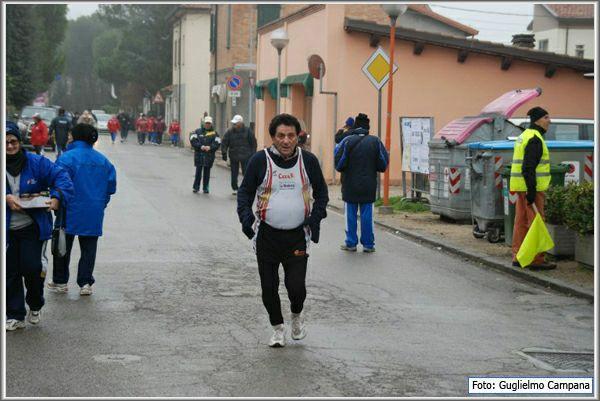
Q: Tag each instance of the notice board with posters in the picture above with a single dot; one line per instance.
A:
(415, 133)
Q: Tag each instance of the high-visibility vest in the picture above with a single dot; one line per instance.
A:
(542, 171)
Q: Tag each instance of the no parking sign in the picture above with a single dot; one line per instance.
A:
(234, 82)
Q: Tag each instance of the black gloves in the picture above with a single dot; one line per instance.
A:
(530, 197)
(247, 227)
(315, 228)
(248, 231)
(224, 157)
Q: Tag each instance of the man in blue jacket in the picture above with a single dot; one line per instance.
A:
(95, 180)
(28, 229)
(359, 157)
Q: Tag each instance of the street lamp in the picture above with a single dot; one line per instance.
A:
(393, 11)
(279, 40)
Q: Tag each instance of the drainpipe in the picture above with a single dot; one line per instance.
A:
(567, 42)
(216, 44)
(335, 106)
(179, 80)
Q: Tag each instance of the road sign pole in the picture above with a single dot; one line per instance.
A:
(388, 125)
(379, 136)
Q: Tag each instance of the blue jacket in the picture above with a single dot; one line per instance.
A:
(360, 157)
(38, 175)
(95, 180)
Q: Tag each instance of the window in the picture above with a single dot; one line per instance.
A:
(213, 34)
(563, 132)
(267, 13)
(229, 26)
(579, 51)
(543, 45)
(175, 53)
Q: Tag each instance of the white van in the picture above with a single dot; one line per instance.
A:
(563, 129)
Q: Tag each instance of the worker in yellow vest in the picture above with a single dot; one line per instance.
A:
(530, 177)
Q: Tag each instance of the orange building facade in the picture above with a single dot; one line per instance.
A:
(439, 76)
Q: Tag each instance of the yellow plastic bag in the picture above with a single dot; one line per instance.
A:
(537, 240)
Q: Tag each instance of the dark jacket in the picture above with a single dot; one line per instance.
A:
(124, 120)
(255, 173)
(359, 157)
(341, 134)
(239, 143)
(200, 138)
(61, 126)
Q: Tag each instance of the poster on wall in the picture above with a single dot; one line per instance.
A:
(415, 133)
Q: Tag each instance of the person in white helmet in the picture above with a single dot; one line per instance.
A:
(239, 144)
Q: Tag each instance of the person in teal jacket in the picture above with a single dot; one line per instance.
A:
(95, 180)
(28, 229)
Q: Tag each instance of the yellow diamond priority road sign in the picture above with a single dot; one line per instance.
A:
(377, 68)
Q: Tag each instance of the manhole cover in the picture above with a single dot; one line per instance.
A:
(111, 358)
(562, 361)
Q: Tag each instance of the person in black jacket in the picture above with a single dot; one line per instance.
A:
(125, 123)
(239, 142)
(60, 127)
(345, 130)
(281, 178)
(205, 142)
(359, 157)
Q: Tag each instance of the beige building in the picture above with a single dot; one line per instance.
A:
(190, 92)
(564, 29)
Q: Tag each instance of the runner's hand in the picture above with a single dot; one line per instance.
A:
(248, 231)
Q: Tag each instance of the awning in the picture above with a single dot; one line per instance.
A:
(271, 85)
(305, 80)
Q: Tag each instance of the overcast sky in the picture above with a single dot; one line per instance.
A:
(482, 16)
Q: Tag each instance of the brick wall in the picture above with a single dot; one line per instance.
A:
(367, 12)
(243, 24)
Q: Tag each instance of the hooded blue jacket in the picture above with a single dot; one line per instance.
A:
(38, 175)
(95, 180)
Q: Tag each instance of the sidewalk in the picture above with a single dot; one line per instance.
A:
(458, 239)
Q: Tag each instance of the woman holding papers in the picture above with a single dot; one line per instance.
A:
(28, 228)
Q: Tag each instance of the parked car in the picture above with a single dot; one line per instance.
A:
(103, 123)
(564, 129)
(26, 121)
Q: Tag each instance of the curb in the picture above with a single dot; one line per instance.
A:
(495, 263)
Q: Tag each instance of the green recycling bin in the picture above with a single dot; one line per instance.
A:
(557, 178)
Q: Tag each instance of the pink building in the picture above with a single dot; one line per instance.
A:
(440, 75)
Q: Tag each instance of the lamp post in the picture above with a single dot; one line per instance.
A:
(279, 40)
(393, 11)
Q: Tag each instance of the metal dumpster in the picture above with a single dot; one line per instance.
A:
(448, 172)
(487, 160)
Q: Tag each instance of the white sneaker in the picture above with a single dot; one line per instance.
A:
(298, 328)
(278, 337)
(34, 316)
(14, 324)
(86, 290)
(59, 288)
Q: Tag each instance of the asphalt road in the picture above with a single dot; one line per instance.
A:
(176, 309)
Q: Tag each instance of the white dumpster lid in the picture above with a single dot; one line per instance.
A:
(460, 129)
(509, 102)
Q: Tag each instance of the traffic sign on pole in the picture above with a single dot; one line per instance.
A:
(158, 98)
(377, 68)
(234, 82)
